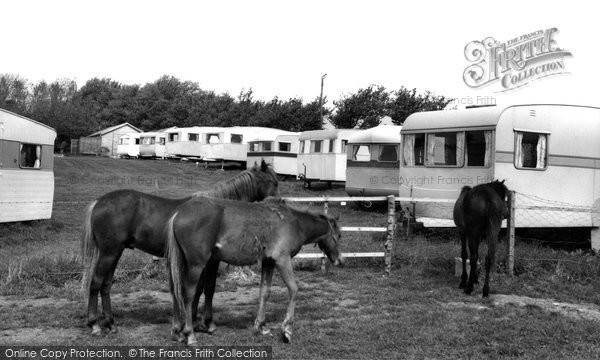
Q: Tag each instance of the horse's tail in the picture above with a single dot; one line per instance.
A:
(175, 264)
(89, 249)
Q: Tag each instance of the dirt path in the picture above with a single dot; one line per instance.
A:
(241, 302)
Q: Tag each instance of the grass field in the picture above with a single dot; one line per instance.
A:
(551, 309)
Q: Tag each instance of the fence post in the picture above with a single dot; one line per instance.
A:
(323, 259)
(510, 230)
(389, 241)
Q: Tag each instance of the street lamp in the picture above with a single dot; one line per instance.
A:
(321, 98)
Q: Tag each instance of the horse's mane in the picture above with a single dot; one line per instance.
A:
(242, 187)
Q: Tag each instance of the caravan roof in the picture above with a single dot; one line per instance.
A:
(326, 134)
(383, 134)
(14, 128)
(453, 119)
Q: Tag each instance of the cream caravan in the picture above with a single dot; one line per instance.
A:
(187, 142)
(276, 147)
(373, 161)
(152, 144)
(322, 155)
(129, 146)
(548, 154)
(229, 144)
(26, 168)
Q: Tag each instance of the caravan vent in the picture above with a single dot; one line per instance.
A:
(532, 112)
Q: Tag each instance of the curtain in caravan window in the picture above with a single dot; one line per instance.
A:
(460, 148)
(541, 152)
(489, 147)
(430, 157)
(408, 146)
(518, 149)
(38, 154)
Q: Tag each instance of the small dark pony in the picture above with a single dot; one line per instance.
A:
(131, 219)
(478, 214)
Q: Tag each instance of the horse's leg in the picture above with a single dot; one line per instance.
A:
(197, 325)
(191, 281)
(105, 291)
(464, 256)
(210, 283)
(177, 325)
(473, 258)
(490, 260)
(104, 265)
(265, 289)
(284, 265)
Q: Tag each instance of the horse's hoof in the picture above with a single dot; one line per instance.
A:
(192, 341)
(468, 290)
(462, 285)
(96, 330)
(287, 336)
(113, 329)
(211, 328)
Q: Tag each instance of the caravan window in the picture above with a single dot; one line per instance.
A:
(531, 150)
(192, 137)
(253, 146)
(173, 137)
(285, 147)
(31, 156)
(445, 149)
(266, 146)
(361, 153)
(162, 141)
(316, 146)
(236, 138)
(331, 145)
(213, 139)
(388, 153)
(124, 141)
(137, 141)
(148, 141)
(413, 146)
(301, 147)
(479, 148)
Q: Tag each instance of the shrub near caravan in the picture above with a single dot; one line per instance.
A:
(26, 168)
(129, 146)
(278, 148)
(373, 162)
(322, 155)
(548, 154)
(152, 144)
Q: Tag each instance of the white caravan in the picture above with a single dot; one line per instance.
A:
(26, 168)
(129, 146)
(373, 161)
(548, 154)
(322, 155)
(276, 147)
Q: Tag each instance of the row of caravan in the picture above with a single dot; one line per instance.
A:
(549, 154)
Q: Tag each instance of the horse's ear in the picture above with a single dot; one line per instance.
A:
(263, 166)
(502, 182)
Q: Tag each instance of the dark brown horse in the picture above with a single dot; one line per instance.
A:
(135, 220)
(478, 214)
(203, 232)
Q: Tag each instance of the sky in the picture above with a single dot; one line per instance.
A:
(282, 48)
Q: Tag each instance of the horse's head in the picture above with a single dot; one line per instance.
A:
(265, 180)
(502, 191)
(329, 243)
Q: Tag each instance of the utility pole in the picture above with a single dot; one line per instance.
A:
(321, 98)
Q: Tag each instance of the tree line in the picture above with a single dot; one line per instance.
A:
(168, 101)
